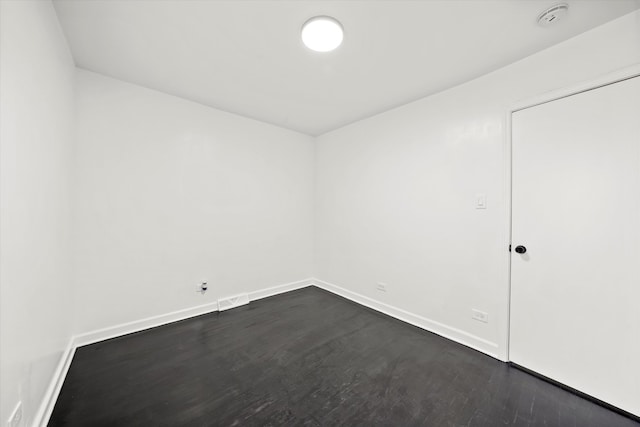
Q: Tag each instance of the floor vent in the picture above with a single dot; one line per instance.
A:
(233, 302)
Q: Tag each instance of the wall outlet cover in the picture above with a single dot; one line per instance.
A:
(480, 316)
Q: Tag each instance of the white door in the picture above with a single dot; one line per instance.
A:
(575, 292)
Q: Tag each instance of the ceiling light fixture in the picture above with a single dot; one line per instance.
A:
(322, 33)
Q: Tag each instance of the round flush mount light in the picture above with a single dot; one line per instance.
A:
(322, 33)
(553, 14)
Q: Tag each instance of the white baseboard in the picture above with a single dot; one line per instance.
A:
(454, 334)
(275, 290)
(46, 408)
(51, 394)
(142, 324)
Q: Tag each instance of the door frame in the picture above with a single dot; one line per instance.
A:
(553, 95)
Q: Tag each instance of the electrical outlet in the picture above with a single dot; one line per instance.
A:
(480, 316)
(202, 287)
(16, 416)
(382, 287)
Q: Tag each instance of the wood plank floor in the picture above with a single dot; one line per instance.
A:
(306, 358)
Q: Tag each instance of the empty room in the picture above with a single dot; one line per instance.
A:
(320, 213)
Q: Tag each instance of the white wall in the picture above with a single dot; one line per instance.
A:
(36, 113)
(170, 192)
(396, 192)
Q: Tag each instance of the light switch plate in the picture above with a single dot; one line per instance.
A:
(481, 201)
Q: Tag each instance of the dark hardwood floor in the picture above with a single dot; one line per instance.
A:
(306, 358)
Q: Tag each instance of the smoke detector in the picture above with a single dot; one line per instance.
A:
(553, 14)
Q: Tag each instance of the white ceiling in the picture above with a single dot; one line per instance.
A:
(246, 57)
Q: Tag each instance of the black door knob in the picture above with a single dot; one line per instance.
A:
(521, 249)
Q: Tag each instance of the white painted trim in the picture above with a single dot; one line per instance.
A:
(53, 390)
(454, 334)
(275, 290)
(603, 80)
(163, 319)
(142, 324)
(506, 230)
(48, 402)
